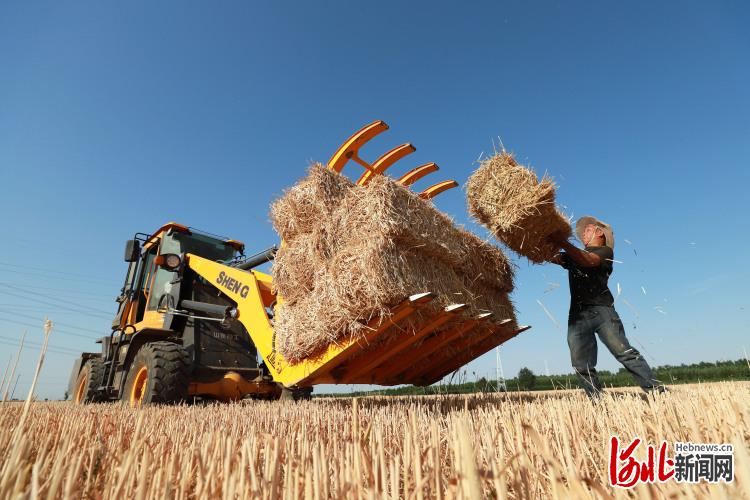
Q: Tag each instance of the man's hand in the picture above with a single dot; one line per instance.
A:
(558, 238)
(557, 259)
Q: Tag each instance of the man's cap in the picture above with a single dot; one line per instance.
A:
(609, 235)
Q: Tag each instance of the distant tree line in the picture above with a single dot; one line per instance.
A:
(527, 380)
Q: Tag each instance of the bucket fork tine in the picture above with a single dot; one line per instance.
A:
(474, 351)
(415, 174)
(436, 189)
(385, 161)
(350, 149)
(367, 366)
(434, 343)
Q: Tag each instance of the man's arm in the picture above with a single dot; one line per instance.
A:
(580, 257)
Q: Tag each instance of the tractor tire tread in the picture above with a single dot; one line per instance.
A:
(94, 375)
(168, 367)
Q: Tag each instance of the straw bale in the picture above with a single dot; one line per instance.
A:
(304, 205)
(362, 283)
(342, 214)
(516, 207)
(295, 268)
(485, 263)
(380, 273)
(389, 209)
(355, 251)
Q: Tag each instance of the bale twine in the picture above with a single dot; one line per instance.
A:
(517, 208)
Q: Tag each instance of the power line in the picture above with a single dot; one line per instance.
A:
(67, 279)
(29, 345)
(62, 350)
(75, 316)
(64, 332)
(82, 309)
(54, 271)
(31, 292)
(100, 296)
(98, 332)
(31, 342)
(44, 302)
(59, 310)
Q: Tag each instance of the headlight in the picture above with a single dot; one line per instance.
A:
(169, 261)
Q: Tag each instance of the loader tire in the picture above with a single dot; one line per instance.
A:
(158, 374)
(89, 379)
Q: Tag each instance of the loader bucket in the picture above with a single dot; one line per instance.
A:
(415, 343)
(421, 352)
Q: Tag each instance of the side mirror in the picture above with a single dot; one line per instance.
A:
(132, 250)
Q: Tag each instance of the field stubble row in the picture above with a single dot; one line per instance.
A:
(440, 447)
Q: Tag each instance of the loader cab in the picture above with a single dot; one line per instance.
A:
(149, 290)
(167, 321)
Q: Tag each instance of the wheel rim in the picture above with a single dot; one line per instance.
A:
(80, 389)
(139, 387)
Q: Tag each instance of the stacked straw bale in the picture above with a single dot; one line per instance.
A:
(517, 208)
(350, 253)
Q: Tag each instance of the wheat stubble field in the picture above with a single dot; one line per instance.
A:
(491, 446)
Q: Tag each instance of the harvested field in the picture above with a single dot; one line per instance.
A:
(491, 446)
(516, 207)
(350, 253)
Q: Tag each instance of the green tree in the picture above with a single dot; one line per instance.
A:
(526, 379)
(482, 385)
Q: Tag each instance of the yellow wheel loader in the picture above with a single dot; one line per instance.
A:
(195, 319)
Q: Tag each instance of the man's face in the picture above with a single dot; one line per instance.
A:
(590, 232)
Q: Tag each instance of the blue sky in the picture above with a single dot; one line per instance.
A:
(115, 118)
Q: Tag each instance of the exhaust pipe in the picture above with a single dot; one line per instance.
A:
(258, 259)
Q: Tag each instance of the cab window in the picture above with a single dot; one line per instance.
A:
(144, 281)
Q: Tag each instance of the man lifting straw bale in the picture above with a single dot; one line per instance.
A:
(592, 307)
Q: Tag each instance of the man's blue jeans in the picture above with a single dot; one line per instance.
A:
(583, 324)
